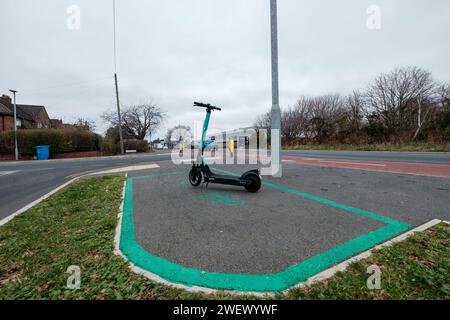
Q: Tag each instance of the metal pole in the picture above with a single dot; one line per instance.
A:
(119, 116)
(275, 111)
(16, 149)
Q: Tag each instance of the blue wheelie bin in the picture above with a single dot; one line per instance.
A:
(43, 152)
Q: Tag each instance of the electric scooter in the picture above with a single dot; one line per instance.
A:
(250, 180)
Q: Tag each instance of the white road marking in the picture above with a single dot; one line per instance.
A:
(354, 163)
(184, 161)
(127, 169)
(79, 174)
(4, 173)
(38, 169)
(115, 170)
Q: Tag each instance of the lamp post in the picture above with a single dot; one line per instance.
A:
(275, 111)
(16, 150)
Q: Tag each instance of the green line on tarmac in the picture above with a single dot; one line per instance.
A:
(223, 198)
(324, 201)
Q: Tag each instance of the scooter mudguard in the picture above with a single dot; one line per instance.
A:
(245, 174)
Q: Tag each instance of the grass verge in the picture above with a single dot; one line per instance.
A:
(417, 268)
(76, 227)
(409, 147)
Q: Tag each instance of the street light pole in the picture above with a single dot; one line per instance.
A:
(16, 149)
(275, 111)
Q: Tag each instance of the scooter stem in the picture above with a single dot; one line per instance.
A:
(205, 130)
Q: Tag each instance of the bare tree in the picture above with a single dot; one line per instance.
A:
(325, 110)
(303, 114)
(263, 121)
(138, 120)
(403, 105)
(84, 124)
(443, 95)
(291, 127)
(422, 114)
(395, 95)
(355, 110)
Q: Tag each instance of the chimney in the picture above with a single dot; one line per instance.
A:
(5, 100)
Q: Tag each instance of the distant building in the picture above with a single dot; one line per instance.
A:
(28, 116)
(56, 124)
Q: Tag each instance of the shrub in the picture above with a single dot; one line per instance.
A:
(138, 145)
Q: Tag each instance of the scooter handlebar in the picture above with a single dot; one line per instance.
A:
(208, 106)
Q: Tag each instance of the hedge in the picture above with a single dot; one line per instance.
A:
(138, 145)
(59, 140)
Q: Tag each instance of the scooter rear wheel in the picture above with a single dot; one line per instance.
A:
(195, 177)
(255, 183)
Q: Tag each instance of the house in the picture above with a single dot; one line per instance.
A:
(28, 116)
(56, 124)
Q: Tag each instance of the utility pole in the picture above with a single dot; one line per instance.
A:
(16, 149)
(119, 115)
(275, 111)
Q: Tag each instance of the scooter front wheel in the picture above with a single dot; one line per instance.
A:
(195, 177)
(255, 183)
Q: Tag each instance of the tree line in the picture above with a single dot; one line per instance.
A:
(401, 106)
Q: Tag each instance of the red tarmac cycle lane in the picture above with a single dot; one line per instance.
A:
(420, 169)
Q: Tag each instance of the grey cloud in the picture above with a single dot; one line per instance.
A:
(177, 51)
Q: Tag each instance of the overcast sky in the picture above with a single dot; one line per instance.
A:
(174, 52)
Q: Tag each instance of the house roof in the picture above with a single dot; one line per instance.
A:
(26, 111)
(4, 110)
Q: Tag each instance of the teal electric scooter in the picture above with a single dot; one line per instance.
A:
(199, 173)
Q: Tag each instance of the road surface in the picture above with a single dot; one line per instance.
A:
(23, 182)
(411, 157)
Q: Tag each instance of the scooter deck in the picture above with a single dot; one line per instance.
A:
(224, 179)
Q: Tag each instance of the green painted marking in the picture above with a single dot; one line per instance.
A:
(324, 201)
(222, 198)
(252, 282)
